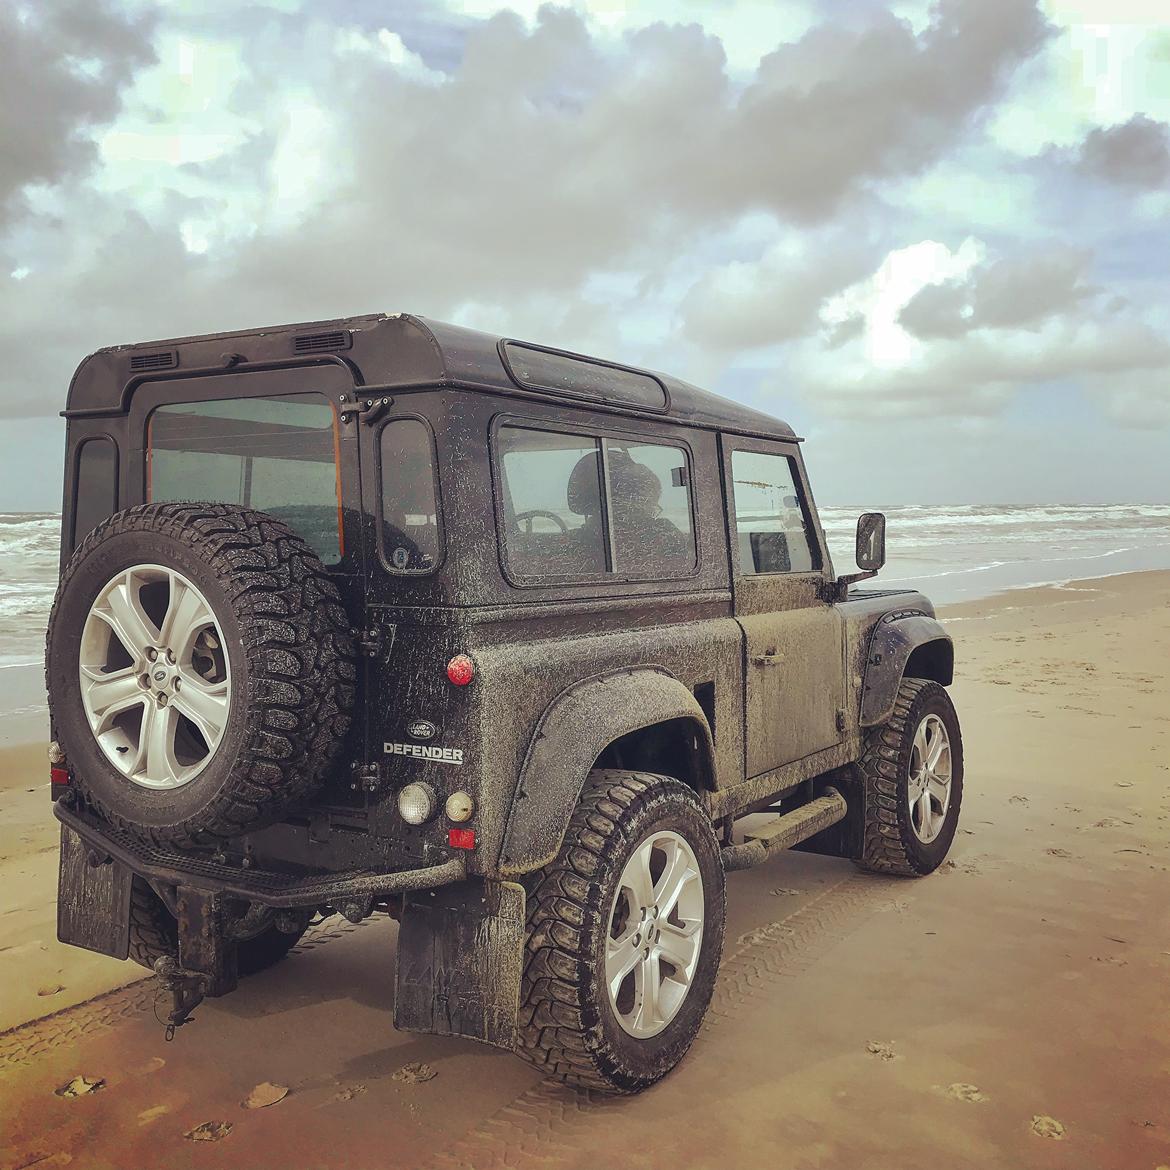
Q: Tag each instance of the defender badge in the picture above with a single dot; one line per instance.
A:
(421, 729)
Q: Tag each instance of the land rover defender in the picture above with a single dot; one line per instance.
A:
(381, 615)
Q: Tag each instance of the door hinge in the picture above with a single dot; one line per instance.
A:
(370, 640)
(841, 719)
(365, 409)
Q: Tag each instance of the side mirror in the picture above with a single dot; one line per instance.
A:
(871, 541)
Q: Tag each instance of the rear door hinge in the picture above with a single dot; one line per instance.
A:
(374, 639)
(365, 409)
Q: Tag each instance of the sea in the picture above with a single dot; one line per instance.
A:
(953, 552)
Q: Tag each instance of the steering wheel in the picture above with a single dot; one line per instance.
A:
(538, 513)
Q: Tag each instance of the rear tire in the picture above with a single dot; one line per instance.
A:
(280, 686)
(898, 837)
(582, 912)
(154, 933)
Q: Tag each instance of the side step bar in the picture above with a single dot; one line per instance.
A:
(786, 831)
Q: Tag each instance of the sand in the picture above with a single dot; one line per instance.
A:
(1010, 1011)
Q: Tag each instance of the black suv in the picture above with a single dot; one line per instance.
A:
(385, 615)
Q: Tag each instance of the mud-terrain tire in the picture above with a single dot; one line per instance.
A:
(154, 933)
(286, 663)
(891, 841)
(569, 1026)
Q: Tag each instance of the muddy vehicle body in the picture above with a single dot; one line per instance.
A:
(382, 614)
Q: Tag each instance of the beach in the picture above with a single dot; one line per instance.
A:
(1009, 1010)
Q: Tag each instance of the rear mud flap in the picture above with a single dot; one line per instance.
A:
(93, 901)
(460, 959)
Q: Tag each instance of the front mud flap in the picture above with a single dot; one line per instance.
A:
(93, 899)
(460, 959)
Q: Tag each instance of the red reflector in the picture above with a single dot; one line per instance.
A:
(59, 775)
(460, 670)
(461, 838)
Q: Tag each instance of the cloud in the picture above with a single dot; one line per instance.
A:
(498, 183)
(1016, 292)
(1135, 153)
(967, 345)
(746, 304)
(63, 68)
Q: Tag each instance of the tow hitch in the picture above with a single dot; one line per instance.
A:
(186, 988)
(206, 966)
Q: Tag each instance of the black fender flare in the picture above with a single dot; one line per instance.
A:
(574, 729)
(893, 640)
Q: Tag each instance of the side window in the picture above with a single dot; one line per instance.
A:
(552, 503)
(650, 502)
(562, 490)
(770, 523)
(96, 492)
(410, 537)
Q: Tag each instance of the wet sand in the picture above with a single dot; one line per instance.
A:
(958, 1021)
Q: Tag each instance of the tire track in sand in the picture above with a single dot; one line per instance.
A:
(542, 1127)
(24, 1043)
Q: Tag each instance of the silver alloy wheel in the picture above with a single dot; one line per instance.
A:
(929, 790)
(655, 933)
(155, 676)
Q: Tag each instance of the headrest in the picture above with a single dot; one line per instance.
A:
(584, 486)
(632, 484)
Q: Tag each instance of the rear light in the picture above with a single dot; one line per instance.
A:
(461, 838)
(59, 776)
(459, 806)
(416, 803)
(461, 670)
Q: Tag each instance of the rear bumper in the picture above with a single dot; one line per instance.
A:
(279, 890)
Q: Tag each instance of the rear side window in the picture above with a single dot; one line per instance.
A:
(771, 524)
(410, 536)
(577, 506)
(552, 517)
(277, 454)
(650, 509)
(96, 493)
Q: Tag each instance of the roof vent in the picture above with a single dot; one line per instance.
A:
(322, 342)
(163, 360)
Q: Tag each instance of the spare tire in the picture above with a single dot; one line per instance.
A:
(200, 670)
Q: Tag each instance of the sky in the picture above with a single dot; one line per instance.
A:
(931, 236)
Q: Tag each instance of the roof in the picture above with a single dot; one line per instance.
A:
(398, 351)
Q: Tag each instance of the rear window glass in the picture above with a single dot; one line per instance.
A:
(410, 536)
(277, 454)
(538, 369)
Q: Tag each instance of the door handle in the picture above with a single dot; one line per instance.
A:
(769, 659)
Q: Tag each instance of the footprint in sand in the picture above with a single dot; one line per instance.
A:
(1047, 1127)
(882, 1049)
(1017, 799)
(1058, 852)
(961, 1091)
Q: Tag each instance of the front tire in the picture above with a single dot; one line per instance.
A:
(625, 936)
(911, 778)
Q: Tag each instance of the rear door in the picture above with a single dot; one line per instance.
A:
(794, 646)
(268, 439)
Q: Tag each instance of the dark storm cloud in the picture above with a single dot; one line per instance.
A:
(63, 67)
(1135, 153)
